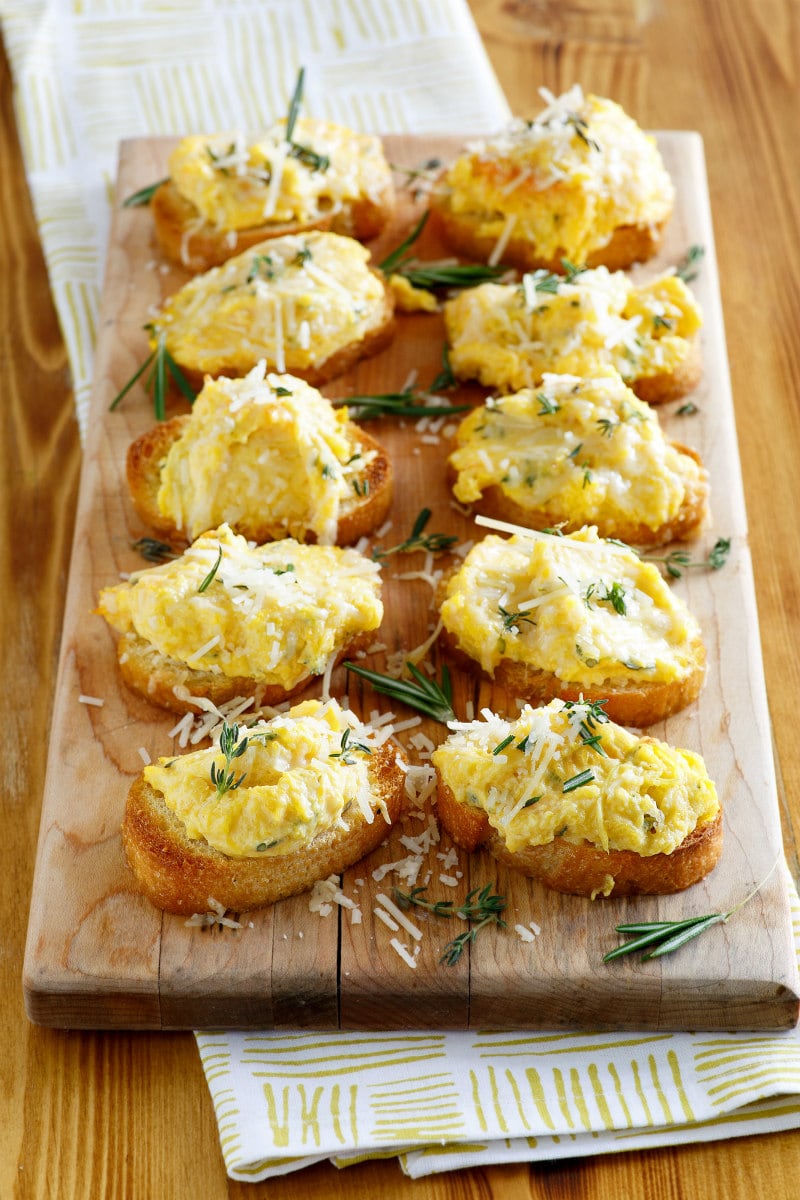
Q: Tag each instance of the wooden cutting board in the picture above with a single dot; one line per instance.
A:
(100, 956)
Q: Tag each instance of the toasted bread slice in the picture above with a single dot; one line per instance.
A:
(659, 827)
(577, 452)
(511, 338)
(580, 182)
(360, 512)
(186, 875)
(499, 637)
(309, 305)
(223, 197)
(463, 232)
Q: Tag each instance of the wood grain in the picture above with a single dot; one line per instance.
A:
(99, 955)
(88, 1115)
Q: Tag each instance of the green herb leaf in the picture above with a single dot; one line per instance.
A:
(417, 540)
(424, 695)
(210, 576)
(294, 104)
(153, 550)
(482, 906)
(389, 263)
(678, 561)
(688, 268)
(160, 362)
(144, 195)
(445, 379)
(223, 778)
(396, 404)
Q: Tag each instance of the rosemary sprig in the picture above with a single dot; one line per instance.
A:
(689, 267)
(223, 778)
(211, 574)
(161, 364)
(482, 907)
(666, 936)
(678, 561)
(436, 274)
(425, 695)
(345, 748)
(144, 195)
(417, 540)
(396, 404)
(445, 379)
(294, 104)
(153, 550)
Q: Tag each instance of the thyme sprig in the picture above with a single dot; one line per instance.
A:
(678, 561)
(418, 540)
(435, 274)
(144, 195)
(657, 938)
(425, 695)
(407, 403)
(223, 778)
(162, 365)
(482, 907)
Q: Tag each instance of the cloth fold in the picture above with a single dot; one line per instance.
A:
(89, 75)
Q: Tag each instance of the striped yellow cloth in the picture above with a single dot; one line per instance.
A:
(90, 72)
(441, 1101)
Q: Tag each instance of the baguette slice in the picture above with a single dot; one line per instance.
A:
(564, 858)
(185, 875)
(204, 213)
(590, 452)
(629, 698)
(308, 305)
(364, 510)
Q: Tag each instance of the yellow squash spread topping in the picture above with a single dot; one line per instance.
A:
(567, 181)
(265, 444)
(566, 771)
(294, 301)
(587, 448)
(508, 336)
(584, 609)
(273, 613)
(234, 184)
(297, 776)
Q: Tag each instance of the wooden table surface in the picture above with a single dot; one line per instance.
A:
(85, 1116)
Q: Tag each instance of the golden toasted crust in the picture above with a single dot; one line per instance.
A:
(627, 245)
(690, 517)
(148, 452)
(627, 703)
(373, 341)
(182, 875)
(671, 385)
(582, 869)
(155, 676)
(187, 239)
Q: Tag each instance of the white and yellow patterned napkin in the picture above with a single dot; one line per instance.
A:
(440, 1101)
(89, 74)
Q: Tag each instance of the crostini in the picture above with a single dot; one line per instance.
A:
(508, 336)
(310, 305)
(581, 182)
(573, 616)
(264, 813)
(579, 803)
(266, 454)
(225, 195)
(579, 451)
(230, 619)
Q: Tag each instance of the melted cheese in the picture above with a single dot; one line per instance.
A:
(586, 610)
(274, 613)
(569, 179)
(236, 185)
(582, 449)
(508, 335)
(265, 444)
(294, 300)
(640, 794)
(296, 783)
